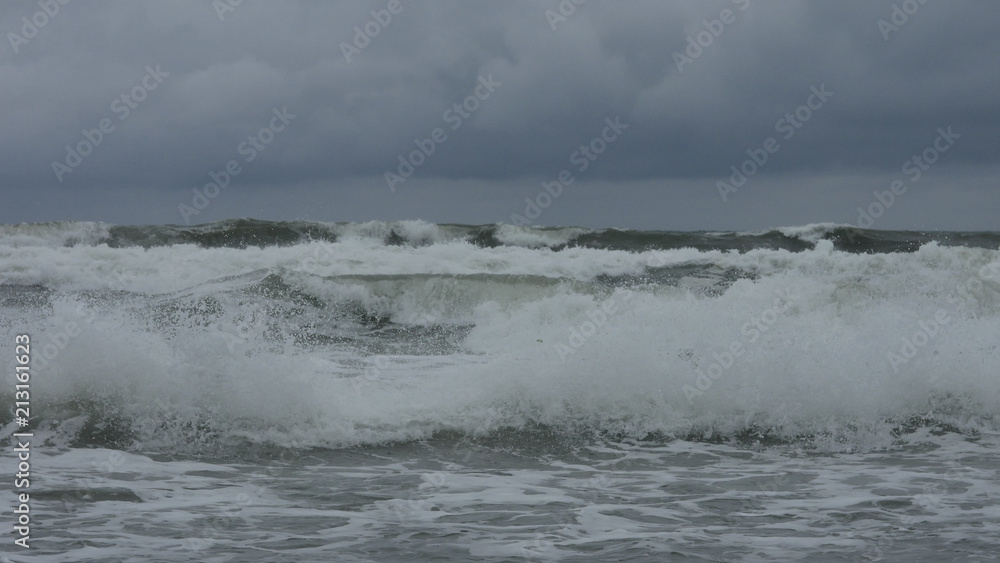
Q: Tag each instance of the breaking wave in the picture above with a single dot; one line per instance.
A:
(249, 332)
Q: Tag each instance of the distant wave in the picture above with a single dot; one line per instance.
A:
(244, 233)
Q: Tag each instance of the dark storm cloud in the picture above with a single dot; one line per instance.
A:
(692, 110)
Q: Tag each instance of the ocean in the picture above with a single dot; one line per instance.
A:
(407, 391)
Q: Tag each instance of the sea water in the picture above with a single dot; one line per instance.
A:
(259, 391)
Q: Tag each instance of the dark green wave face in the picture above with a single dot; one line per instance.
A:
(238, 233)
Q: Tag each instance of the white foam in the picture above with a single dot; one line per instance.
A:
(822, 367)
(53, 235)
(536, 238)
(612, 501)
(812, 232)
(414, 232)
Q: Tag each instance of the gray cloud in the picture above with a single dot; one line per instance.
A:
(353, 119)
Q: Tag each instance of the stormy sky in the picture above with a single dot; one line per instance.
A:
(727, 114)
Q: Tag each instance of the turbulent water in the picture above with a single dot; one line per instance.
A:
(260, 391)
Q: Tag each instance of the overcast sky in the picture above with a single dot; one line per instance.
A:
(646, 105)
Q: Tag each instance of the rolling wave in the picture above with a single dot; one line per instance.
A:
(244, 233)
(247, 332)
